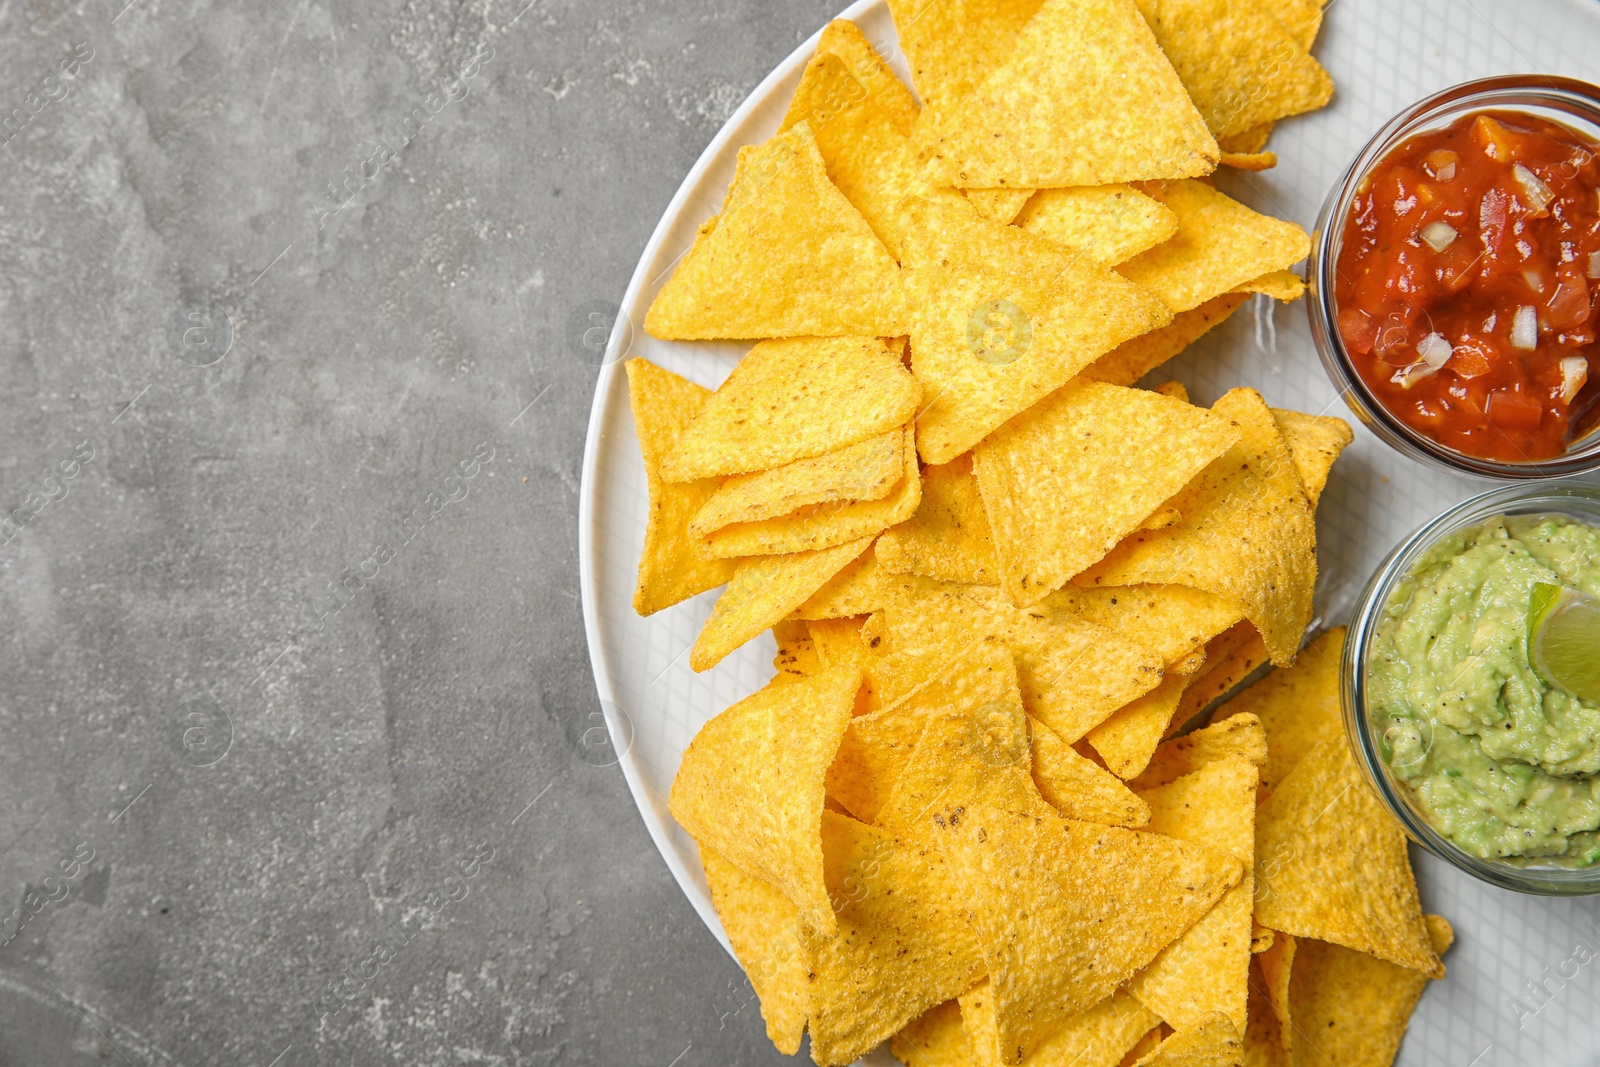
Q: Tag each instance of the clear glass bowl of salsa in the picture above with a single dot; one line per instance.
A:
(1391, 755)
(1455, 277)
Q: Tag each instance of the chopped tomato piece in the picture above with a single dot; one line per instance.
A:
(1514, 411)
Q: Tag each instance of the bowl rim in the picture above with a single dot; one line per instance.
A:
(1579, 500)
(1570, 96)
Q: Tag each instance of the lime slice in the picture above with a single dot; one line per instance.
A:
(1564, 639)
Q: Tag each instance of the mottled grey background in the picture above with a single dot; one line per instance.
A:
(366, 828)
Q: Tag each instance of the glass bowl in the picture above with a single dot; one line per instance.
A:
(1573, 103)
(1575, 500)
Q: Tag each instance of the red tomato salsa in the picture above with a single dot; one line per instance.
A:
(1467, 281)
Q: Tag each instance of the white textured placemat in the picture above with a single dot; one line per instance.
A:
(1522, 987)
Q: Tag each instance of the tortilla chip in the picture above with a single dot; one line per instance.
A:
(1277, 965)
(1315, 441)
(934, 1039)
(1175, 389)
(761, 926)
(1252, 140)
(1143, 1047)
(862, 58)
(1066, 480)
(761, 592)
(1298, 706)
(1214, 1043)
(1112, 223)
(1098, 1037)
(838, 642)
(856, 590)
(1175, 621)
(1261, 938)
(876, 748)
(1263, 1037)
(1004, 318)
(788, 257)
(866, 470)
(948, 538)
(1220, 244)
(1066, 911)
(1247, 533)
(952, 46)
(1080, 789)
(750, 784)
(999, 205)
(1252, 161)
(1239, 65)
(797, 654)
(825, 525)
(1332, 864)
(1133, 359)
(900, 946)
(1355, 1008)
(1084, 98)
(1128, 739)
(1231, 657)
(1281, 285)
(794, 399)
(1207, 969)
(1301, 19)
(1241, 736)
(673, 566)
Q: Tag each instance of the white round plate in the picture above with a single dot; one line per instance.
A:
(1383, 54)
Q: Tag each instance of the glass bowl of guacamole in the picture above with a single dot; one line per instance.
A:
(1485, 762)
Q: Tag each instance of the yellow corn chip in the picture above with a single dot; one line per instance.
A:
(1249, 160)
(1298, 706)
(1128, 739)
(1133, 359)
(1301, 19)
(856, 590)
(1084, 98)
(874, 751)
(1004, 318)
(1315, 441)
(866, 470)
(1247, 533)
(1277, 966)
(838, 642)
(999, 205)
(1332, 864)
(1281, 285)
(1214, 1043)
(1230, 658)
(1142, 1048)
(797, 654)
(1261, 938)
(825, 525)
(788, 257)
(1241, 736)
(1098, 1037)
(750, 786)
(948, 537)
(673, 566)
(761, 592)
(900, 946)
(1066, 911)
(1250, 141)
(1239, 65)
(1263, 1037)
(794, 399)
(954, 44)
(761, 926)
(1207, 969)
(1066, 480)
(1176, 622)
(1112, 223)
(934, 1039)
(1220, 244)
(864, 60)
(1353, 1009)
(1175, 389)
(1080, 789)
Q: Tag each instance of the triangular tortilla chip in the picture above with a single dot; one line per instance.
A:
(673, 566)
(1255, 138)
(788, 257)
(1277, 966)
(794, 399)
(1143, 1047)
(1112, 223)
(1220, 244)
(952, 45)
(1231, 657)
(855, 590)
(1128, 739)
(1263, 1037)
(866, 470)
(761, 926)
(1300, 18)
(876, 748)
(1253, 161)
(1298, 706)
(1066, 911)
(838, 642)
(1067, 479)
(1098, 1037)
(999, 205)
(1133, 359)
(862, 58)
(1214, 1043)
(1173, 620)
(1247, 533)
(936, 1038)
(1353, 1007)
(1207, 969)
(761, 592)
(1239, 65)
(948, 538)
(797, 653)
(1315, 441)
(1080, 789)
(1003, 318)
(1241, 736)
(1281, 285)
(750, 784)
(1332, 864)
(900, 946)
(1085, 98)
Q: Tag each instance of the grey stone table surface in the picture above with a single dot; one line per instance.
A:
(293, 684)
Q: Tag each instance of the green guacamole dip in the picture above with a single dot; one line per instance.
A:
(1497, 761)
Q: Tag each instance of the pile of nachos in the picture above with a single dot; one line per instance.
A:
(993, 807)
